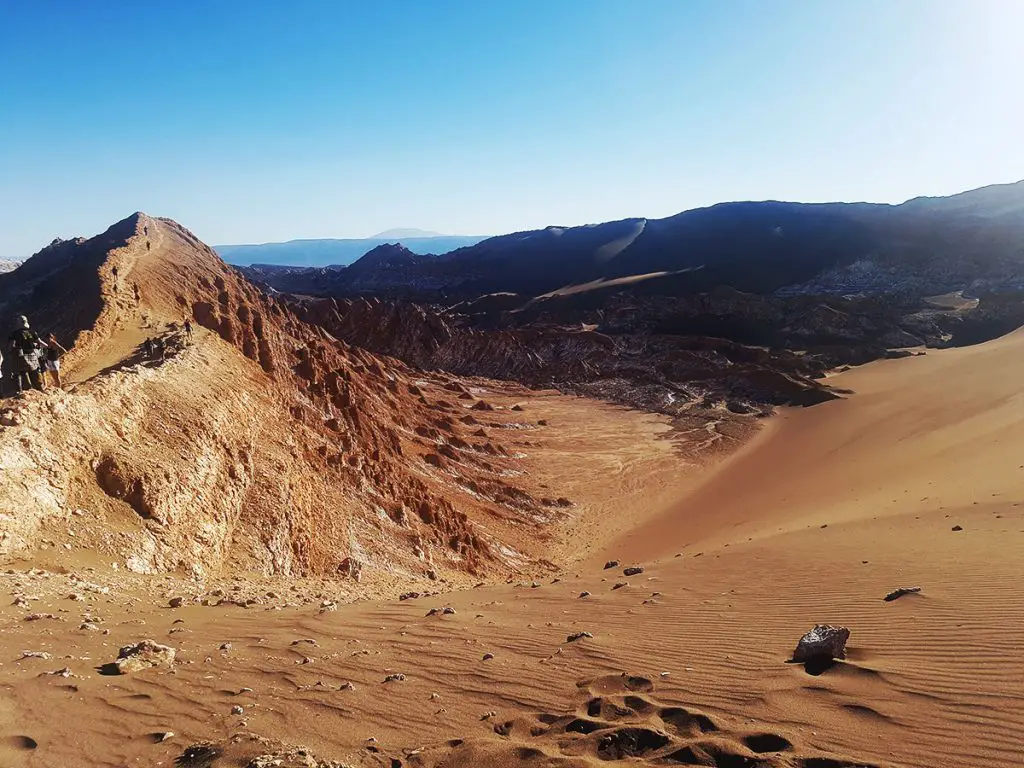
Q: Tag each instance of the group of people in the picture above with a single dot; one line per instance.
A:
(34, 362)
(34, 359)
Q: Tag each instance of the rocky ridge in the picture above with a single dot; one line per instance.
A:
(262, 445)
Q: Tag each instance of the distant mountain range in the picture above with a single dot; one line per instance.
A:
(340, 252)
(8, 266)
(972, 241)
(404, 234)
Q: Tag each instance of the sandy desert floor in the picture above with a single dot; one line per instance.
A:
(915, 479)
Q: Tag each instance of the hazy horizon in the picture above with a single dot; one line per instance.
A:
(257, 123)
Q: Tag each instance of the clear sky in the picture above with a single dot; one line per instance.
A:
(259, 120)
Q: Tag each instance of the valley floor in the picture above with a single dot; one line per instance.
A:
(917, 479)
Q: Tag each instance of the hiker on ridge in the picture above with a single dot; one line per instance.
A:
(159, 349)
(26, 346)
(51, 360)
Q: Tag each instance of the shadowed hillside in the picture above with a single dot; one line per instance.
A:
(922, 247)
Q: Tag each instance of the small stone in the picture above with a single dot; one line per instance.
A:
(611, 564)
(237, 710)
(165, 736)
(176, 602)
(620, 584)
(143, 655)
(824, 641)
(584, 594)
(957, 528)
(199, 754)
(488, 656)
(634, 571)
(900, 592)
(408, 595)
(577, 636)
(35, 655)
(397, 677)
(225, 646)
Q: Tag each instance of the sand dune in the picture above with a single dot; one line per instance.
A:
(824, 513)
(937, 433)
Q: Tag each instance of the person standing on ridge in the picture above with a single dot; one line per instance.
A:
(159, 349)
(51, 360)
(26, 346)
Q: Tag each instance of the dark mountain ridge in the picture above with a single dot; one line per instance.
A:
(971, 241)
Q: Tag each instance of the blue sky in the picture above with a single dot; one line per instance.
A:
(256, 121)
